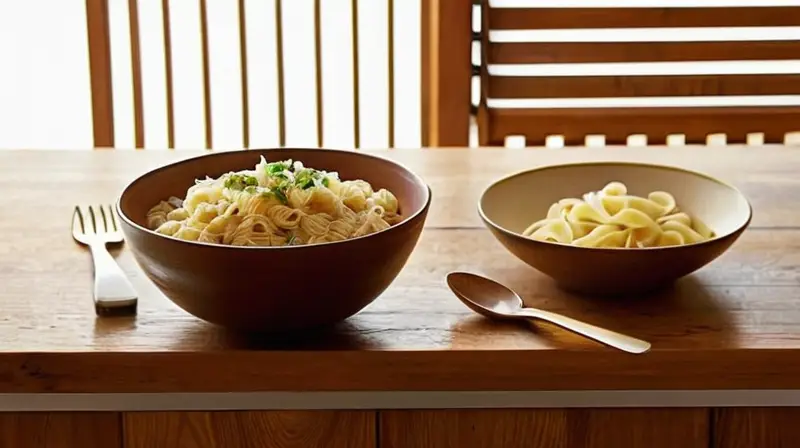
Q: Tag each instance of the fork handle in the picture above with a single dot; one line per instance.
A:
(112, 289)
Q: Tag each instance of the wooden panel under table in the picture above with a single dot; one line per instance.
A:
(60, 430)
(263, 429)
(545, 428)
(756, 427)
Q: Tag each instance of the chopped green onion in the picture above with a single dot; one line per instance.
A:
(240, 181)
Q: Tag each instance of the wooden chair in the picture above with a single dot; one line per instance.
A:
(645, 102)
(444, 121)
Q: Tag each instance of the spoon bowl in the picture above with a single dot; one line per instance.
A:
(496, 301)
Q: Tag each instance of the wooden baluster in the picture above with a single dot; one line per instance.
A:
(356, 96)
(245, 85)
(100, 69)
(206, 77)
(136, 68)
(318, 62)
(168, 74)
(390, 26)
(279, 60)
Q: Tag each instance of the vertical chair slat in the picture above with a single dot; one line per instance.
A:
(483, 111)
(279, 54)
(446, 72)
(243, 68)
(168, 74)
(356, 95)
(136, 68)
(206, 70)
(100, 71)
(318, 66)
(390, 26)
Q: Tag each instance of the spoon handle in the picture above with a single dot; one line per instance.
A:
(608, 337)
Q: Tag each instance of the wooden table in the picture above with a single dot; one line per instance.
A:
(416, 368)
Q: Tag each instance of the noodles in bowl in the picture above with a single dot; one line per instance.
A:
(281, 203)
(255, 240)
(614, 228)
(612, 218)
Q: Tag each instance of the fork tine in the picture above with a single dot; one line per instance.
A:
(103, 215)
(77, 221)
(93, 219)
(113, 218)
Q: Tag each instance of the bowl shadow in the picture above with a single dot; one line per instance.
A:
(341, 336)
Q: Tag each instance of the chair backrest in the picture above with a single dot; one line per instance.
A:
(266, 25)
(695, 71)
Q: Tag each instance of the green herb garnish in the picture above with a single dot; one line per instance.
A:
(309, 177)
(240, 181)
(280, 195)
(286, 174)
(304, 178)
(277, 168)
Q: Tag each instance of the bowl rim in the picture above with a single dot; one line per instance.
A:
(210, 153)
(511, 176)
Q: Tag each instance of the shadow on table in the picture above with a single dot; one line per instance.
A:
(344, 336)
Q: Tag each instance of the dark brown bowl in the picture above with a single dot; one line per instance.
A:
(510, 205)
(274, 288)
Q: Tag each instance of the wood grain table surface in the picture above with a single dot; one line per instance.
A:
(733, 325)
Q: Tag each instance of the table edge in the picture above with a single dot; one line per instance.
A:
(372, 371)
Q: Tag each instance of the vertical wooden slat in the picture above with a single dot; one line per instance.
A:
(446, 72)
(60, 430)
(136, 68)
(756, 427)
(168, 74)
(279, 53)
(390, 27)
(425, 56)
(245, 85)
(100, 73)
(318, 64)
(356, 96)
(206, 75)
(483, 110)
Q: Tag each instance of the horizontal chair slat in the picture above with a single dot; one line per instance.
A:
(657, 123)
(587, 52)
(628, 86)
(561, 18)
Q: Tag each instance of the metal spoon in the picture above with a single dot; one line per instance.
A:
(491, 299)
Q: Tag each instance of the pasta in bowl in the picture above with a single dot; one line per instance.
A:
(282, 203)
(612, 218)
(274, 239)
(614, 228)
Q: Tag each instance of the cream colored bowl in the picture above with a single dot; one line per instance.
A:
(511, 204)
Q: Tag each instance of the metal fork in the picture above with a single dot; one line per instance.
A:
(113, 292)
